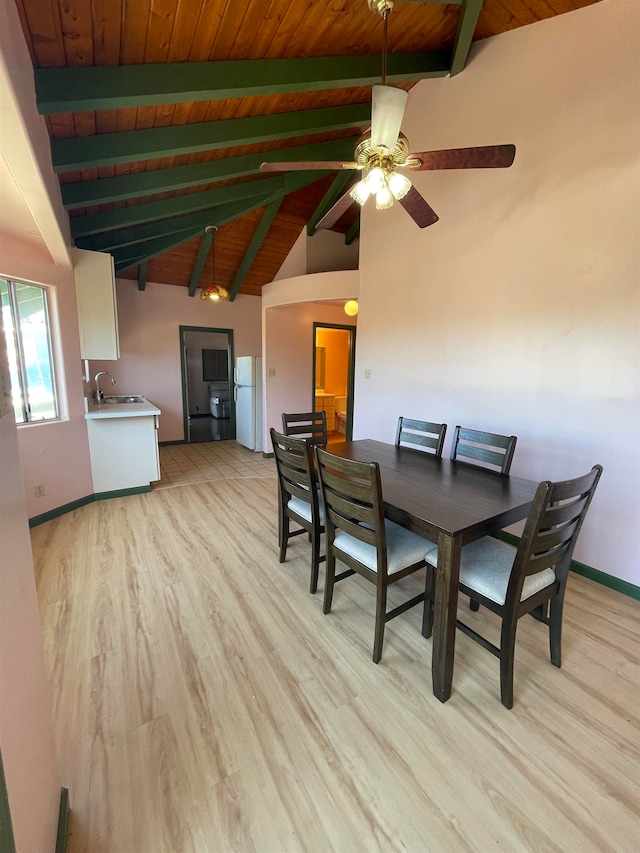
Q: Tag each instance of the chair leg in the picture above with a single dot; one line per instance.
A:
(329, 580)
(315, 561)
(555, 629)
(381, 610)
(427, 612)
(473, 604)
(284, 537)
(507, 656)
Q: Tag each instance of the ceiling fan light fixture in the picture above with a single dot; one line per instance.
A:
(399, 185)
(375, 180)
(384, 198)
(360, 192)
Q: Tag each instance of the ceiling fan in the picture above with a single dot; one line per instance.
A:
(382, 154)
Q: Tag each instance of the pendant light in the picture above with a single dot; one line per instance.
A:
(213, 292)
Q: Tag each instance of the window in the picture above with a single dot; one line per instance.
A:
(26, 324)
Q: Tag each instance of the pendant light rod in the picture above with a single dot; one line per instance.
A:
(214, 291)
(212, 229)
(385, 17)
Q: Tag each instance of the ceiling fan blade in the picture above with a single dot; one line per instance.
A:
(387, 111)
(481, 157)
(307, 166)
(418, 209)
(334, 213)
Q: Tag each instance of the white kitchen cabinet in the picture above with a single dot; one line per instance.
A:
(96, 298)
(123, 445)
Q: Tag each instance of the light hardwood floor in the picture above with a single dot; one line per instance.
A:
(202, 702)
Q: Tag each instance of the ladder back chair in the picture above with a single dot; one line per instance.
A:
(485, 449)
(298, 497)
(424, 434)
(312, 426)
(530, 579)
(359, 536)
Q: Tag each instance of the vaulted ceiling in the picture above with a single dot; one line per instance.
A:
(160, 113)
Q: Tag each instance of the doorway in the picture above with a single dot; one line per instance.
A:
(334, 355)
(206, 363)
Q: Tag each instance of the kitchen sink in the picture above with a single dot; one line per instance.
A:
(119, 399)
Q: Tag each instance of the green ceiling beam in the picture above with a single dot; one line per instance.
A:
(337, 189)
(261, 231)
(156, 238)
(353, 232)
(132, 256)
(117, 238)
(142, 275)
(203, 251)
(94, 223)
(112, 240)
(109, 87)
(106, 190)
(191, 222)
(466, 27)
(108, 149)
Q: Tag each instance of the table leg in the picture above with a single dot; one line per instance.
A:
(446, 606)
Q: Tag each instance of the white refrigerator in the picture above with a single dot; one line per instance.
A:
(247, 394)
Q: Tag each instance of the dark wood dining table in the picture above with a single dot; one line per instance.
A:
(451, 504)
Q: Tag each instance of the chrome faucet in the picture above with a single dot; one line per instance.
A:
(99, 393)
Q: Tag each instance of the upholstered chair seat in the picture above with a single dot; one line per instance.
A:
(485, 567)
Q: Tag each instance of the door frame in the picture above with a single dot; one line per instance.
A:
(351, 370)
(183, 375)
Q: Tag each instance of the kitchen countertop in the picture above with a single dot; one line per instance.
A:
(122, 410)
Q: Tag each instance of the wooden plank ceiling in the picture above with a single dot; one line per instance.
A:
(161, 111)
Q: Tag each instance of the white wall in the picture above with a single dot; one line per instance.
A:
(518, 312)
(149, 324)
(326, 251)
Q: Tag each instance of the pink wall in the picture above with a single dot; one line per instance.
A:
(289, 351)
(289, 308)
(55, 454)
(26, 731)
(518, 312)
(149, 361)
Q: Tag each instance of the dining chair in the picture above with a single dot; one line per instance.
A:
(298, 497)
(421, 433)
(485, 449)
(530, 579)
(358, 535)
(311, 426)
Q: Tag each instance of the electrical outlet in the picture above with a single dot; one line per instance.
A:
(39, 490)
(367, 374)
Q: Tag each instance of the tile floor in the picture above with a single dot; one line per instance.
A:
(181, 464)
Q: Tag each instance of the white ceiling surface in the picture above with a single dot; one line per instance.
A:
(30, 203)
(16, 219)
